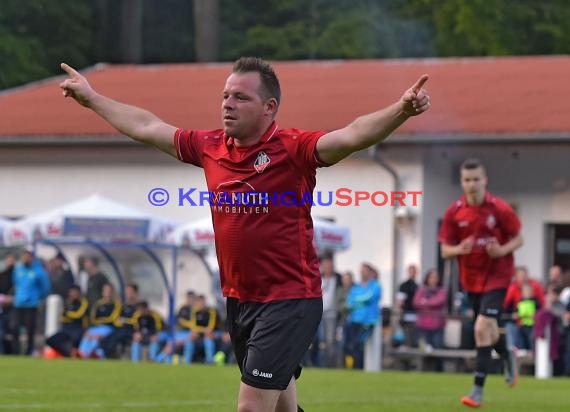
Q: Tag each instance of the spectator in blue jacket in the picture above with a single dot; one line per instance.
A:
(31, 287)
(363, 303)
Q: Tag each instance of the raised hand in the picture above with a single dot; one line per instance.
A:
(416, 100)
(76, 86)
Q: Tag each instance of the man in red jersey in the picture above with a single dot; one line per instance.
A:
(482, 231)
(255, 172)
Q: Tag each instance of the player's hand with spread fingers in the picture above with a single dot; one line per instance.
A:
(416, 100)
(76, 86)
(466, 246)
(494, 249)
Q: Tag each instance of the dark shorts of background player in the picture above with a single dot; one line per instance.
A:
(270, 339)
(488, 303)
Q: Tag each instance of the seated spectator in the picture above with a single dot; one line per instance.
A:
(202, 326)
(182, 333)
(122, 336)
(147, 328)
(224, 351)
(75, 319)
(104, 317)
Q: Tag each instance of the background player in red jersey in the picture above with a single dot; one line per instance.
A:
(483, 231)
(268, 266)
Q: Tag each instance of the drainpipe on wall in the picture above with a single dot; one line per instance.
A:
(395, 233)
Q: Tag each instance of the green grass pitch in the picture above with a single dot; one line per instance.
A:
(109, 386)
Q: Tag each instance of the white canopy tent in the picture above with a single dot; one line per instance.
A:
(197, 235)
(94, 217)
(5, 228)
(330, 237)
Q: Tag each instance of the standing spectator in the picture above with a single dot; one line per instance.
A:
(514, 296)
(430, 302)
(514, 292)
(550, 318)
(347, 279)
(482, 231)
(6, 297)
(554, 276)
(60, 276)
(95, 280)
(566, 323)
(325, 342)
(31, 287)
(75, 319)
(405, 305)
(527, 308)
(364, 312)
(565, 287)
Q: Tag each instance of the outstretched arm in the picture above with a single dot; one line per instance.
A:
(372, 128)
(139, 124)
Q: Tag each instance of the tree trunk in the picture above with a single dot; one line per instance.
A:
(131, 31)
(207, 30)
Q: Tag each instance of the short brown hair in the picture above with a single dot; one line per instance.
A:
(269, 80)
(471, 164)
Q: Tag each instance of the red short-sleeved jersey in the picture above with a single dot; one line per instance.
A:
(263, 229)
(493, 219)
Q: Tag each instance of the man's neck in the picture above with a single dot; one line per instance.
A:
(475, 199)
(254, 138)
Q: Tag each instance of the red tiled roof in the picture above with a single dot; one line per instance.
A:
(519, 95)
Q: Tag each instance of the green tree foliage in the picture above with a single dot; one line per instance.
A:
(35, 35)
(317, 29)
(496, 27)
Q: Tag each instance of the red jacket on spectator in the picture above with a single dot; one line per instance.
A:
(514, 295)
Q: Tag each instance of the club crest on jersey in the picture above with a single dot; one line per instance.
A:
(491, 221)
(261, 162)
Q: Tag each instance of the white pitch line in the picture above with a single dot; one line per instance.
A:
(86, 405)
